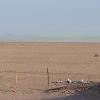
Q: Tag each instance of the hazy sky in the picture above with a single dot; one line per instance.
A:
(50, 20)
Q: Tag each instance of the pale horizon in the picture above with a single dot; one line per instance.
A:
(67, 38)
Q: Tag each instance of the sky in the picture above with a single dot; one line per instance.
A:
(50, 20)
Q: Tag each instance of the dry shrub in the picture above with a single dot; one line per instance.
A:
(96, 55)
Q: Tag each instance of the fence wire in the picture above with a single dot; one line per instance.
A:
(12, 81)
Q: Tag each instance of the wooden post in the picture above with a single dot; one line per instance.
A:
(16, 82)
(48, 77)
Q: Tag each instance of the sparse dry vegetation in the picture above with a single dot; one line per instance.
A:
(96, 55)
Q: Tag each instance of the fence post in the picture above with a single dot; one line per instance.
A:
(16, 81)
(48, 77)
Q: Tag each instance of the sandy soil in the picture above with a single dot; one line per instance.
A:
(29, 62)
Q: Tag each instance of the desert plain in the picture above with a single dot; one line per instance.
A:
(23, 66)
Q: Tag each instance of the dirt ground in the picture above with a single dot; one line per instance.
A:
(29, 61)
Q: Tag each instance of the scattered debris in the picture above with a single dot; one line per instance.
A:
(74, 87)
(69, 81)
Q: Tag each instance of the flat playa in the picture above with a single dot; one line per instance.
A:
(29, 62)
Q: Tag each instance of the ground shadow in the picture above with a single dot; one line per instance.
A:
(91, 93)
(76, 97)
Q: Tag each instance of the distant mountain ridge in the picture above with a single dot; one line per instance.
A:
(45, 38)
